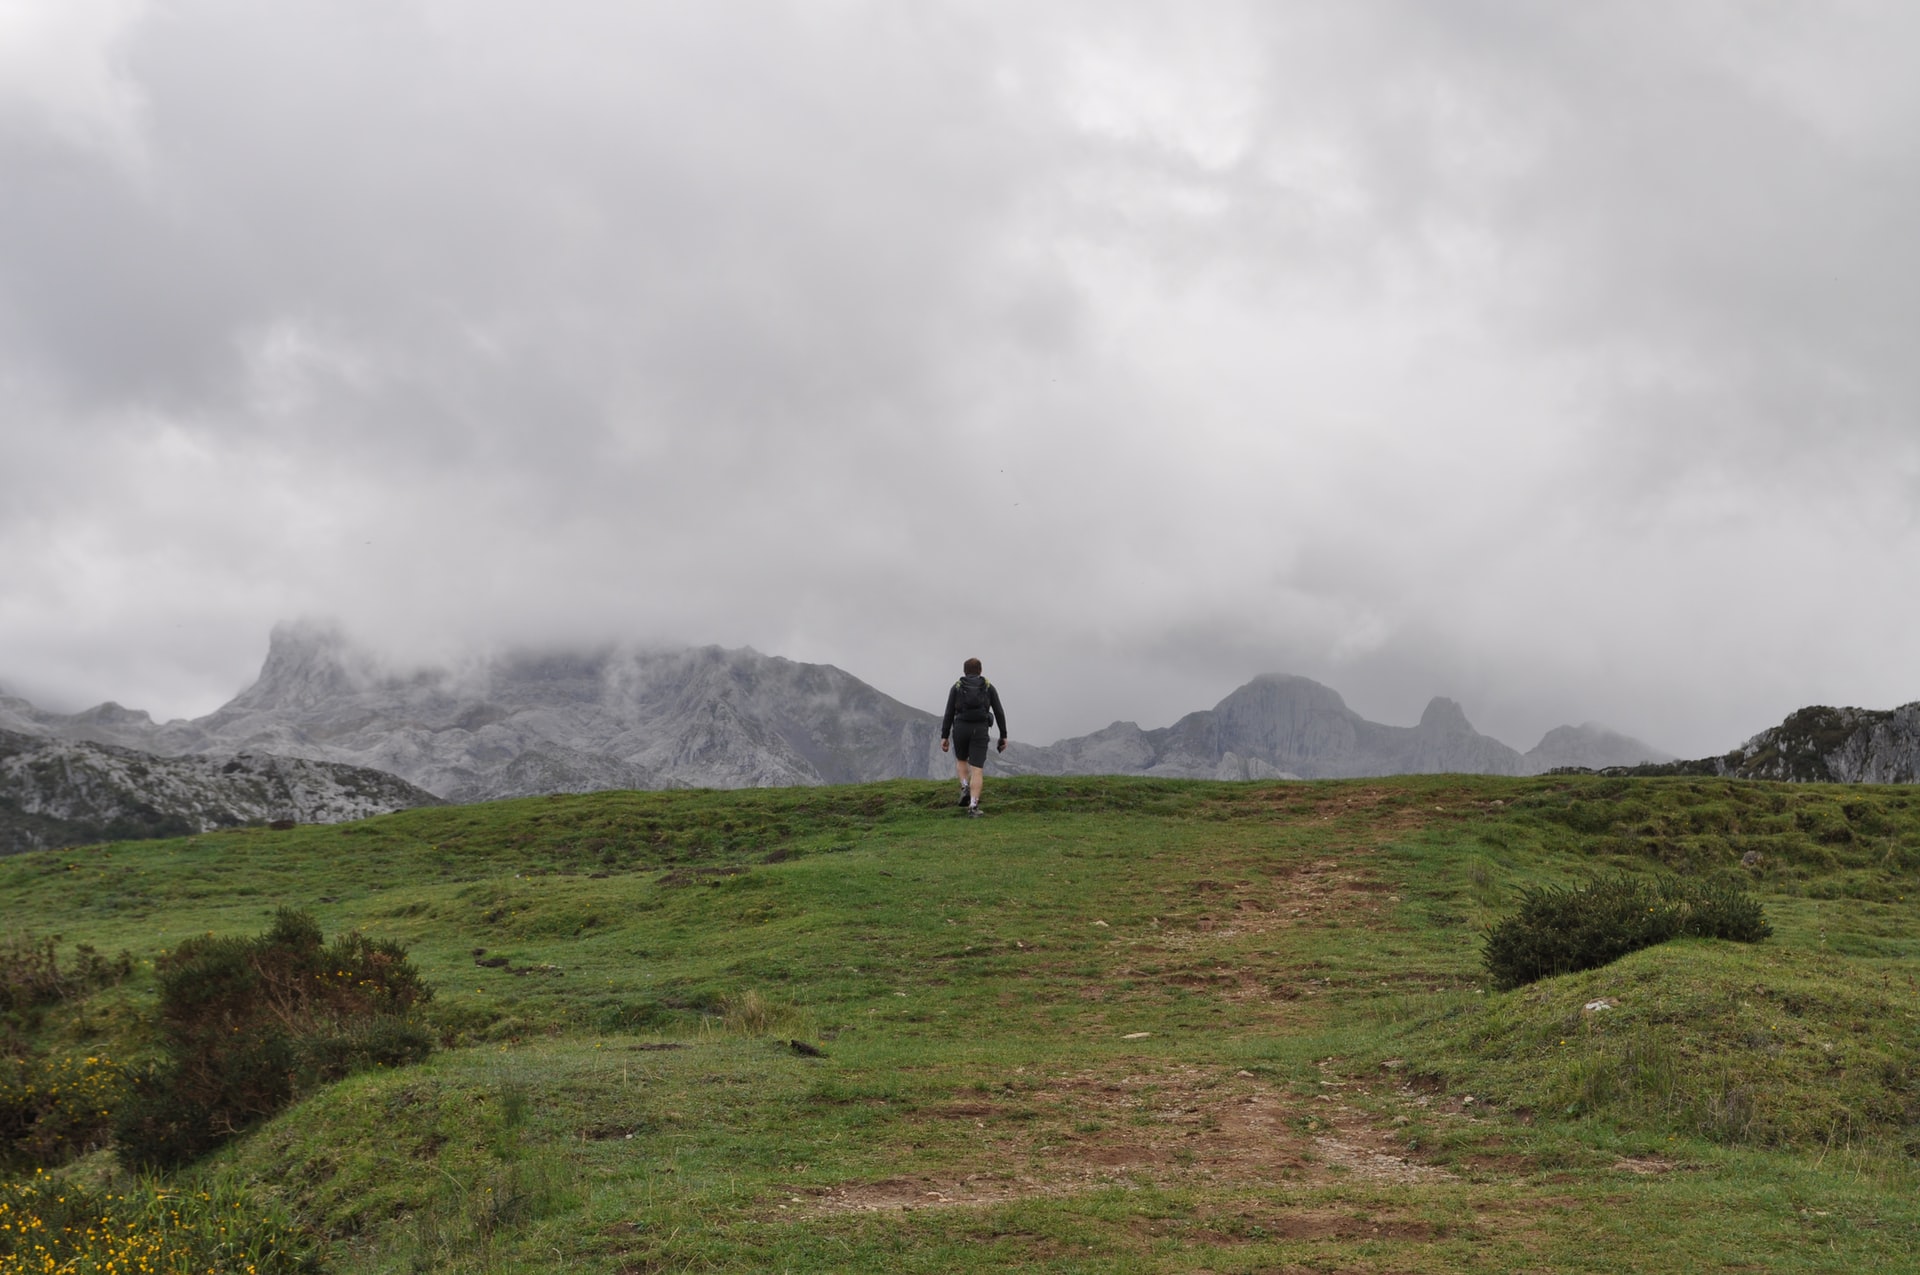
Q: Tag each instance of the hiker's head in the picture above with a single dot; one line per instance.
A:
(971, 668)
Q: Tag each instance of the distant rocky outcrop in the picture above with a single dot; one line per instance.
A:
(620, 717)
(1819, 744)
(57, 792)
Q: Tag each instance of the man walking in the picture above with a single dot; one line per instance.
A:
(973, 707)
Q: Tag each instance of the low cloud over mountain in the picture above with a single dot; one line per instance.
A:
(613, 717)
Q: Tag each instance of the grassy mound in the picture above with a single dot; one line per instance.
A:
(1826, 840)
(1738, 1044)
(447, 1139)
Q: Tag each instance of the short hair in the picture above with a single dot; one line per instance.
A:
(971, 668)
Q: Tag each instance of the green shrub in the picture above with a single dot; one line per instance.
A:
(247, 1024)
(31, 976)
(385, 1041)
(49, 1225)
(1558, 930)
(52, 1109)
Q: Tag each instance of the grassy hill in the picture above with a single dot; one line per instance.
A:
(1119, 1025)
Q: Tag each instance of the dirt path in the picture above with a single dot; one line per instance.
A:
(1174, 1126)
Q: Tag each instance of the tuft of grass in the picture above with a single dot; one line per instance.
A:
(748, 1013)
(466, 1221)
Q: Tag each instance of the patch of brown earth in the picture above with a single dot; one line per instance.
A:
(896, 1195)
(1319, 1224)
(1383, 812)
(1172, 1126)
(1648, 1165)
(1324, 891)
(1373, 1163)
(1506, 1165)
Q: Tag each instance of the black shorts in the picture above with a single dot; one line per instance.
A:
(970, 742)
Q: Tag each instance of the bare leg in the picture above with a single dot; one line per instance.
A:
(961, 768)
(976, 779)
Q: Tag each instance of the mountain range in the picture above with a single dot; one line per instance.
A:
(1283, 727)
(618, 717)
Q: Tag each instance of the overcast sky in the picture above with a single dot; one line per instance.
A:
(1562, 359)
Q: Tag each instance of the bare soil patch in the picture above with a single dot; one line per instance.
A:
(1166, 1126)
(1648, 1165)
(1320, 892)
(1319, 1224)
(1384, 813)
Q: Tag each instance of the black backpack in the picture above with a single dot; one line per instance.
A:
(973, 697)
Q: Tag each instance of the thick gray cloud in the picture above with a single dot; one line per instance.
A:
(1552, 358)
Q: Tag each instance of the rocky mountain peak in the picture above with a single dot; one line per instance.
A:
(1445, 717)
(1283, 696)
(1592, 745)
(307, 664)
(112, 714)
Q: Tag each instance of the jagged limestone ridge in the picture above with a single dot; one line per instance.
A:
(1821, 744)
(66, 792)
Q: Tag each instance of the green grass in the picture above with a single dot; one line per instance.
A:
(1119, 1025)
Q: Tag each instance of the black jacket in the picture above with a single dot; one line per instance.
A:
(994, 713)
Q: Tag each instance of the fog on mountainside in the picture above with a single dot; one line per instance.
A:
(617, 717)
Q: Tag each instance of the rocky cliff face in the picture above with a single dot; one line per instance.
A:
(623, 718)
(61, 792)
(1833, 745)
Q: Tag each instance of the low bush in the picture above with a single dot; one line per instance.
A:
(31, 975)
(1560, 930)
(249, 1023)
(52, 1109)
(46, 1225)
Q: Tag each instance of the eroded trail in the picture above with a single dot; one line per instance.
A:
(1165, 1127)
